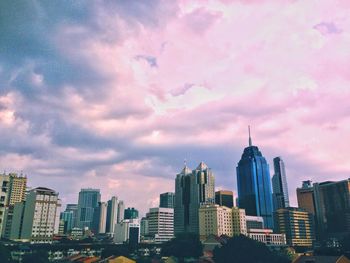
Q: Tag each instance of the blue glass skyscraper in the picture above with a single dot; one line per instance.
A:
(254, 185)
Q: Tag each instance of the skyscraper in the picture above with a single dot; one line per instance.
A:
(74, 209)
(88, 201)
(167, 200)
(120, 215)
(280, 195)
(192, 188)
(112, 215)
(66, 218)
(332, 200)
(224, 198)
(254, 186)
(305, 196)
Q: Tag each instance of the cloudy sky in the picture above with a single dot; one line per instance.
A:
(116, 94)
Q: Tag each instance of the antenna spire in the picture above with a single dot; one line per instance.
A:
(250, 139)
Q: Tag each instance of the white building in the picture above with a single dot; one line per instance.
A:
(160, 223)
(35, 219)
(102, 219)
(120, 215)
(268, 237)
(127, 231)
(239, 221)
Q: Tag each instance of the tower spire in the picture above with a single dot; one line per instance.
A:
(250, 139)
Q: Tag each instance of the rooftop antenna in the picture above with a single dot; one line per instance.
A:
(250, 139)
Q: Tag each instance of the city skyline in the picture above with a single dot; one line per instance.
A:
(108, 96)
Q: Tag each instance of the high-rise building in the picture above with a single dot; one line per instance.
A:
(144, 225)
(66, 222)
(221, 220)
(305, 196)
(120, 214)
(239, 221)
(13, 191)
(215, 220)
(74, 209)
(280, 195)
(112, 215)
(88, 201)
(332, 203)
(167, 200)
(127, 230)
(160, 223)
(192, 188)
(297, 224)
(102, 217)
(224, 198)
(131, 213)
(254, 185)
(36, 220)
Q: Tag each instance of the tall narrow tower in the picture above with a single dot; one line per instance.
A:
(254, 186)
(280, 195)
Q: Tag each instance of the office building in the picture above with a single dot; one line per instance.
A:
(88, 201)
(255, 222)
(74, 209)
(239, 221)
(160, 224)
(224, 198)
(267, 237)
(131, 213)
(305, 196)
(167, 200)
(297, 224)
(121, 208)
(280, 195)
(37, 219)
(254, 186)
(215, 220)
(102, 217)
(332, 203)
(12, 191)
(192, 188)
(66, 222)
(112, 214)
(127, 231)
(144, 225)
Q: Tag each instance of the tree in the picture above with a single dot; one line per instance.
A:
(241, 249)
(186, 245)
(115, 250)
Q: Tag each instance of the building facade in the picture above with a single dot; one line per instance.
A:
(297, 224)
(192, 189)
(74, 209)
(87, 203)
(131, 213)
(167, 200)
(66, 222)
(280, 196)
(37, 219)
(332, 203)
(255, 222)
(112, 215)
(121, 208)
(160, 224)
(239, 221)
(267, 237)
(127, 231)
(305, 196)
(254, 186)
(224, 198)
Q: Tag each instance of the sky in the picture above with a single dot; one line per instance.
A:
(116, 95)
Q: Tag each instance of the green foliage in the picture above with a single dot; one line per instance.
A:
(186, 245)
(5, 254)
(241, 249)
